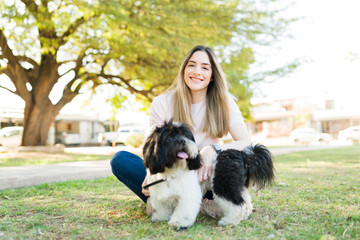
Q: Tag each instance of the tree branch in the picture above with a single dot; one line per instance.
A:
(32, 6)
(2, 71)
(14, 71)
(44, 2)
(67, 61)
(71, 29)
(28, 60)
(13, 92)
(126, 84)
(104, 64)
(71, 69)
(5, 49)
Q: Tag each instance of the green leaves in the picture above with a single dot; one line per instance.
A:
(138, 45)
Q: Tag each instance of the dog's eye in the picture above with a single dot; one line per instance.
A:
(169, 139)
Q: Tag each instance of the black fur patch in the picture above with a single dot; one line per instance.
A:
(230, 173)
(235, 170)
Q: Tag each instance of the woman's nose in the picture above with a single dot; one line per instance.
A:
(197, 71)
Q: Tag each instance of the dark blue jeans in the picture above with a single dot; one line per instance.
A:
(130, 170)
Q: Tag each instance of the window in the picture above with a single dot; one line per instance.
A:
(329, 104)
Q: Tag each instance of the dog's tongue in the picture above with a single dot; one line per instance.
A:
(182, 155)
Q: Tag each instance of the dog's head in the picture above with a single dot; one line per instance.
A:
(168, 144)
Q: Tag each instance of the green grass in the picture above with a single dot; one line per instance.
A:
(40, 158)
(316, 196)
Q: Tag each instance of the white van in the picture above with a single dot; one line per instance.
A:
(11, 136)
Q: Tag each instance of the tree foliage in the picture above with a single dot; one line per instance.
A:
(65, 45)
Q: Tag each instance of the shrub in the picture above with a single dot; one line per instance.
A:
(135, 140)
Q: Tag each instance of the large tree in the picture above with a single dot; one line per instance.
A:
(64, 45)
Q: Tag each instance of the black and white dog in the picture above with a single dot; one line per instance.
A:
(234, 172)
(170, 157)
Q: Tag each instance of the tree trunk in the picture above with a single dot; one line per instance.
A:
(39, 112)
(37, 121)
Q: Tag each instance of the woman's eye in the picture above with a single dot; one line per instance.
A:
(206, 68)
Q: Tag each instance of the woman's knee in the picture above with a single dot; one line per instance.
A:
(123, 162)
(119, 159)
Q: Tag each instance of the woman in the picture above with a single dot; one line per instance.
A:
(199, 97)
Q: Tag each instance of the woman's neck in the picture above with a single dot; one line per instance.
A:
(197, 97)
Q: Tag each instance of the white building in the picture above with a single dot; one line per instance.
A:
(328, 112)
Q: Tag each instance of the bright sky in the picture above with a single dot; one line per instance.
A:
(322, 41)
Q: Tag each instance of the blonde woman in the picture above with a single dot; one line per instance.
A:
(199, 97)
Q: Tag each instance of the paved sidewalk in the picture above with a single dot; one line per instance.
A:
(23, 176)
(15, 177)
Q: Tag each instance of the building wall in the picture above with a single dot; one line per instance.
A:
(327, 113)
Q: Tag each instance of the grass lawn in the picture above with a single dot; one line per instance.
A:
(316, 196)
(8, 159)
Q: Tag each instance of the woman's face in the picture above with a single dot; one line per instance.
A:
(198, 72)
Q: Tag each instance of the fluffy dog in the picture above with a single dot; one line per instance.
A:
(233, 173)
(170, 157)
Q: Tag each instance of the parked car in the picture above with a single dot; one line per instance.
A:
(11, 136)
(121, 135)
(308, 135)
(68, 138)
(350, 134)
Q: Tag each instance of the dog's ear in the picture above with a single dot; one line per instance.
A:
(194, 163)
(152, 154)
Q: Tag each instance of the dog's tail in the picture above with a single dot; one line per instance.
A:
(259, 166)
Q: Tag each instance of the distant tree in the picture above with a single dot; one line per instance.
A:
(67, 45)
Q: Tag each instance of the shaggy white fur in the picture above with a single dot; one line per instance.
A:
(178, 199)
(233, 213)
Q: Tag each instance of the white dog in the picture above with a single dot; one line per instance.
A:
(171, 158)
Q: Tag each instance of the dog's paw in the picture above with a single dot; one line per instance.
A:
(178, 225)
(181, 229)
(156, 217)
(228, 221)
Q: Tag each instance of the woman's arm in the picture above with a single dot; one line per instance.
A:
(241, 140)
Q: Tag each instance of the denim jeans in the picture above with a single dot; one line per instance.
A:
(130, 170)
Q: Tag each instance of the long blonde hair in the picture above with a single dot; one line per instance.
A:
(217, 116)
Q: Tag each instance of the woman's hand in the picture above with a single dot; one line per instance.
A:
(208, 156)
(145, 191)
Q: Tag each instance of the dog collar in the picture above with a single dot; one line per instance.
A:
(154, 183)
(216, 147)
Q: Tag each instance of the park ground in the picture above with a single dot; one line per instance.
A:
(315, 196)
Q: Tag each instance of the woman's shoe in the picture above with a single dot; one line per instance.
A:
(210, 208)
(149, 208)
